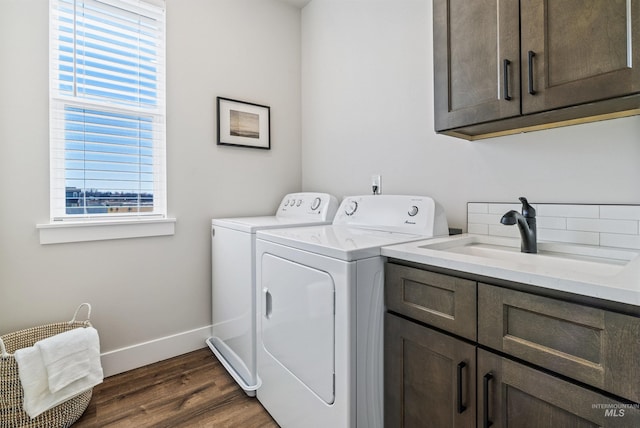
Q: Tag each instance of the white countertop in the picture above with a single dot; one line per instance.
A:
(618, 281)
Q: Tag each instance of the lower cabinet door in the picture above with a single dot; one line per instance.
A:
(517, 396)
(429, 377)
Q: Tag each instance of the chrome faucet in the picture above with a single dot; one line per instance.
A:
(527, 225)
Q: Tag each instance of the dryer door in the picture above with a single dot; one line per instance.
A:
(298, 308)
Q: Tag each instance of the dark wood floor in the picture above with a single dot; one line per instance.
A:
(192, 390)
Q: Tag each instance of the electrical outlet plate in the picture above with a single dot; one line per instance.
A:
(376, 184)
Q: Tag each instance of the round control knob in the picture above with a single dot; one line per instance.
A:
(351, 208)
(413, 211)
(299, 202)
(286, 204)
(316, 203)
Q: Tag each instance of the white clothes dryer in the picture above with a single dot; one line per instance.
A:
(233, 286)
(320, 326)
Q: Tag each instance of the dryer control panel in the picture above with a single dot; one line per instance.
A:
(419, 215)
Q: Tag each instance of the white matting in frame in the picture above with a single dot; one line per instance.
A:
(243, 124)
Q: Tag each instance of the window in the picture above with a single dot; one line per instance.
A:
(107, 109)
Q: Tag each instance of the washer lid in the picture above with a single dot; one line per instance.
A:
(253, 224)
(339, 242)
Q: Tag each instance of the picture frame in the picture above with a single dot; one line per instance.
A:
(243, 124)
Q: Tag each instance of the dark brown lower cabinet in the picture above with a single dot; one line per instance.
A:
(435, 380)
(538, 361)
(429, 377)
(517, 396)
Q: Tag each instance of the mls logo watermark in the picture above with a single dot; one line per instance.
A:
(615, 410)
(614, 413)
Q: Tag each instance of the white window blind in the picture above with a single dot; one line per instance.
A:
(107, 109)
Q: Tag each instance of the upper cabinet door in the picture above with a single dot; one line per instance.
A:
(578, 51)
(476, 61)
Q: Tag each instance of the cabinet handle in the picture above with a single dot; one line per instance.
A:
(486, 423)
(505, 71)
(531, 55)
(461, 407)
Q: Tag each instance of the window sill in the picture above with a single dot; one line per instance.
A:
(82, 231)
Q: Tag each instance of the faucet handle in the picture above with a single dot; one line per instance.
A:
(527, 210)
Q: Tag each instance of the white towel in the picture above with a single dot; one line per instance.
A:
(34, 378)
(65, 356)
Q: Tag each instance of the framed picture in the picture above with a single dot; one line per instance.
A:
(243, 124)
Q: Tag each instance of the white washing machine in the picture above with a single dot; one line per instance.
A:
(320, 326)
(233, 339)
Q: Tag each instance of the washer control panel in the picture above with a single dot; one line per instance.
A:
(311, 205)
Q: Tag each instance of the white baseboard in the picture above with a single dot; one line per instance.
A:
(142, 354)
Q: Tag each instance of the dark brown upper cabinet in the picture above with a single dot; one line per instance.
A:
(507, 66)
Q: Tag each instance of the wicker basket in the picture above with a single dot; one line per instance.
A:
(11, 395)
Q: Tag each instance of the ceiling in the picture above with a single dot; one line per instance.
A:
(297, 3)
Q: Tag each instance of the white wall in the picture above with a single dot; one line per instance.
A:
(145, 289)
(367, 107)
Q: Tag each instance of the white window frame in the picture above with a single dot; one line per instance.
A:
(63, 227)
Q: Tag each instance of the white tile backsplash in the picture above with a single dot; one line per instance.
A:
(620, 212)
(484, 218)
(474, 207)
(479, 229)
(559, 210)
(500, 209)
(551, 222)
(605, 225)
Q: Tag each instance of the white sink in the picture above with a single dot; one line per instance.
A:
(551, 256)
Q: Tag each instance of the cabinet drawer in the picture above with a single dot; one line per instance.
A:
(442, 301)
(594, 346)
